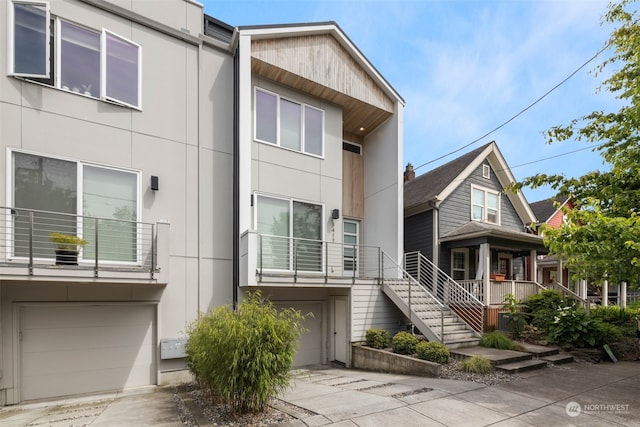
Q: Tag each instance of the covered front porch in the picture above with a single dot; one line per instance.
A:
(491, 262)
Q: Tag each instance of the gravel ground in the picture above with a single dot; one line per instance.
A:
(452, 371)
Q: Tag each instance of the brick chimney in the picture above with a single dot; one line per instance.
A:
(409, 174)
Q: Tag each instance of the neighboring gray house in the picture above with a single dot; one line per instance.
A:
(198, 161)
(459, 216)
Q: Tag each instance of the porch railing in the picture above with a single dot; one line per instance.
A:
(308, 258)
(111, 244)
(458, 298)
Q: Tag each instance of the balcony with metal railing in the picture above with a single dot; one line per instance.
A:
(281, 260)
(109, 250)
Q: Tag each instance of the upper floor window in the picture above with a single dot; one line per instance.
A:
(485, 205)
(28, 48)
(289, 124)
(95, 63)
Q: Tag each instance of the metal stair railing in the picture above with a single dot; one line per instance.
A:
(466, 305)
(392, 273)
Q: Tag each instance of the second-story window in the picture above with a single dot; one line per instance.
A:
(288, 124)
(65, 196)
(69, 56)
(485, 205)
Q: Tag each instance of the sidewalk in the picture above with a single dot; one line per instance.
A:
(578, 394)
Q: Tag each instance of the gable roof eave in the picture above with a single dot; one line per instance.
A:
(319, 28)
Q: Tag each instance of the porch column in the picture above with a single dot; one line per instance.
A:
(605, 293)
(622, 297)
(583, 289)
(560, 273)
(486, 288)
(534, 265)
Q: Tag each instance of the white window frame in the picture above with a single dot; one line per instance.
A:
(486, 171)
(303, 106)
(11, 38)
(57, 60)
(290, 200)
(356, 252)
(103, 69)
(465, 253)
(484, 205)
(79, 206)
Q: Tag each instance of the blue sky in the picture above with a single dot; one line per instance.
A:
(464, 67)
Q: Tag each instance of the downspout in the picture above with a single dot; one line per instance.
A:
(435, 204)
(236, 177)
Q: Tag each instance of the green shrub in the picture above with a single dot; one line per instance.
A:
(606, 333)
(432, 351)
(476, 365)
(377, 338)
(497, 340)
(517, 320)
(404, 343)
(572, 327)
(243, 357)
(542, 308)
(623, 318)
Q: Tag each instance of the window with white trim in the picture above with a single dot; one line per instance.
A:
(72, 57)
(288, 124)
(486, 171)
(290, 234)
(28, 47)
(459, 264)
(64, 196)
(485, 205)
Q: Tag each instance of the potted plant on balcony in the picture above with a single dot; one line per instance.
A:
(67, 248)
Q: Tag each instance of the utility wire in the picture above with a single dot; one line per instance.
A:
(520, 112)
(591, 147)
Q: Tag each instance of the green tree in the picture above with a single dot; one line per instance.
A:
(601, 237)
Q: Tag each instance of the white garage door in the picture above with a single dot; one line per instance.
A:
(310, 346)
(74, 349)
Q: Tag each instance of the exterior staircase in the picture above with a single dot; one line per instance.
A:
(436, 321)
(435, 304)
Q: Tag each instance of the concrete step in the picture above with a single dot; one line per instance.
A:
(459, 334)
(497, 357)
(461, 343)
(558, 359)
(522, 366)
(539, 351)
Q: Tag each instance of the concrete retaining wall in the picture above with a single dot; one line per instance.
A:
(371, 359)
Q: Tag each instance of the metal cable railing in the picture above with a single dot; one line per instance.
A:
(308, 258)
(413, 293)
(40, 238)
(463, 302)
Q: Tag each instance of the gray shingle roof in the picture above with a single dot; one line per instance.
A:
(543, 209)
(427, 186)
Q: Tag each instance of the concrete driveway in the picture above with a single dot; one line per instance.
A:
(578, 394)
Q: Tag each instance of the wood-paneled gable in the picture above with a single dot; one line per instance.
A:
(320, 66)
